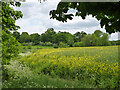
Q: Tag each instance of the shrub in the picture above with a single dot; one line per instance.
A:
(42, 43)
(29, 47)
(61, 44)
(55, 46)
(17, 69)
(78, 44)
(25, 44)
(10, 47)
(48, 44)
(24, 48)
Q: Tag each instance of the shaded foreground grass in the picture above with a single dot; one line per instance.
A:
(45, 81)
(22, 77)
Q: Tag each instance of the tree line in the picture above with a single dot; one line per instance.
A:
(62, 39)
(109, 17)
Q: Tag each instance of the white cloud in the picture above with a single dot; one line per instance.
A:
(36, 19)
(114, 36)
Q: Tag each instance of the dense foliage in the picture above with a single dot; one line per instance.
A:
(9, 43)
(24, 37)
(95, 67)
(10, 46)
(108, 13)
(35, 38)
(48, 36)
(79, 36)
(65, 39)
(16, 35)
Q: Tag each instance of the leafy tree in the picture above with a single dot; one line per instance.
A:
(35, 38)
(9, 16)
(48, 44)
(95, 41)
(10, 46)
(64, 37)
(61, 44)
(87, 40)
(90, 40)
(69, 39)
(118, 42)
(79, 36)
(113, 42)
(25, 37)
(43, 37)
(16, 35)
(104, 40)
(78, 44)
(48, 36)
(98, 33)
(108, 13)
(60, 37)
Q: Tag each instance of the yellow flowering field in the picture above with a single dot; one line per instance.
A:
(98, 65)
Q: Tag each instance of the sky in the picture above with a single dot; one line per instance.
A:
(36, 19)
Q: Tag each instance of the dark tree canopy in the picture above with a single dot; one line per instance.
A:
(48, 36)
(24, 37)
(64, 37)
(108, 13)
(79, 35)
(16, 35)
(35, 38)
(10, 46)
(9, 16)
(98, 33)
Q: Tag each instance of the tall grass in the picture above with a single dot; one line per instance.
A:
(77, 67)
(97, 65)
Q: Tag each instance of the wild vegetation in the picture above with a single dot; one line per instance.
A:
(74, 64)
(65, 39)
(94, 66)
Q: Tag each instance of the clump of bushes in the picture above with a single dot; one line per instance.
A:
(17, 70)
(25, 44)
(61, 44)
(46, 44)
(55, 46)
(78, 44)
(29, 47)
(24, 48)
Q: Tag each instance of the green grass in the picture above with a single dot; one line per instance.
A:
(30, 48)
(45, 81)
(22, 77)
(41, 47)
(92, 67)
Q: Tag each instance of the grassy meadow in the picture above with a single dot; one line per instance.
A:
(74, 67)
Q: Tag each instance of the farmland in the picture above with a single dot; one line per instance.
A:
(91, 66)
